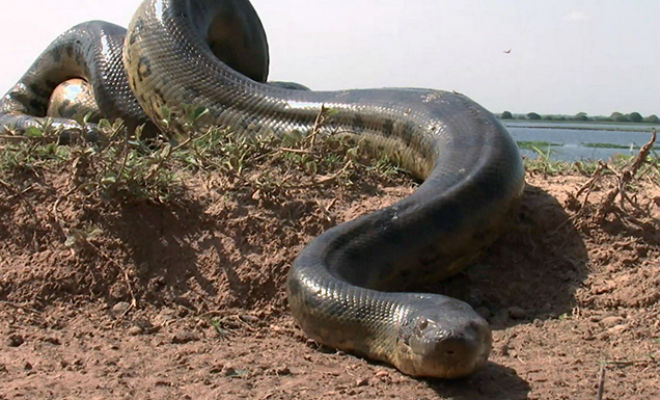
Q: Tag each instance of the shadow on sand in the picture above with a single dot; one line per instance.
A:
(531, 273)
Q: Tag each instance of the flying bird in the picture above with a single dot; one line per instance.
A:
(507, 51)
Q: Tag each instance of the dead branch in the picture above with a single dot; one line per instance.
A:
(601, 382)
(607, 206)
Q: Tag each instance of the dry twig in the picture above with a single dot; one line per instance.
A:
(601, 382)
(607, 205)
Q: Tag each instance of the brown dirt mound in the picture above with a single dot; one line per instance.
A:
(186, 300)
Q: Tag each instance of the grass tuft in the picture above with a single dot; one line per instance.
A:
(109, 165)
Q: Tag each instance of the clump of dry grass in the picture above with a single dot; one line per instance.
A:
(622, 184)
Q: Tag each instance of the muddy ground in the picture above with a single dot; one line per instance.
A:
(187, 301)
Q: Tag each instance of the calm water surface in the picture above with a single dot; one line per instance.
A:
(578, 141)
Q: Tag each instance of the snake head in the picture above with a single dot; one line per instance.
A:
(442, 339)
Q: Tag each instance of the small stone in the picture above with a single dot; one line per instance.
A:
(251, 319)
(120, 308)
(146, 326)
(27, 366)
(182, 337)
(362, 382)
(381, 374)
(135, 330)
(283, 371)
(611, 320)
(516, 312)
(232, 372)
(15, 340)
(165, 316)
(52, 340)
(216, 369)
(617, 330)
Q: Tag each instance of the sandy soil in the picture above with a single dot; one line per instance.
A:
(187, 301)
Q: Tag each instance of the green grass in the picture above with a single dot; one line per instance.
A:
(606, 146)
(136, 168)
(535, 145)
(542, 163)
(614, 146)
(117, 166)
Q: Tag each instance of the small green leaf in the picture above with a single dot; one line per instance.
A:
(118, 125)
(165, 152)
(331, 111)
(104, 124)
(87, 117)
(138, 131)
(166, 115)
(198, 113)
(109, 179)
(33, 131)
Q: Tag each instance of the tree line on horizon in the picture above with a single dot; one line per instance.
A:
(582, 116)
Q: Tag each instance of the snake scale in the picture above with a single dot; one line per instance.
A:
(345, 286)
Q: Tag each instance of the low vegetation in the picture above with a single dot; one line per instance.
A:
(117, 166)
(130, 168)
(633, 117)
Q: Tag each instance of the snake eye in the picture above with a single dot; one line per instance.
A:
(422, 323)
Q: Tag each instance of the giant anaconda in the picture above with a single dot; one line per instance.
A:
(343, 286)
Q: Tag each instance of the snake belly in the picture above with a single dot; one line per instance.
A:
(345, 287)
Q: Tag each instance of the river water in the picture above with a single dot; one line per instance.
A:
(580, 141)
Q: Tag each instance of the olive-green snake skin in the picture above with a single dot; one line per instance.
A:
(343, 286)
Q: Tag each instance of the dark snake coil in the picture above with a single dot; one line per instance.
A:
(342, 287)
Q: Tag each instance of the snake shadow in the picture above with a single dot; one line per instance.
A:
(530, 273)
(492, 382)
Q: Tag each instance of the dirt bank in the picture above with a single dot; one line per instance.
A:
(187, 301)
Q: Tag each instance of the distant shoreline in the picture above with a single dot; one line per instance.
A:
(613, 126)
(617, 121)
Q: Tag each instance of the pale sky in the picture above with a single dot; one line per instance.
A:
(567, 56)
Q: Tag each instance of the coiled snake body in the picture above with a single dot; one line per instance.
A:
(343, 286)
